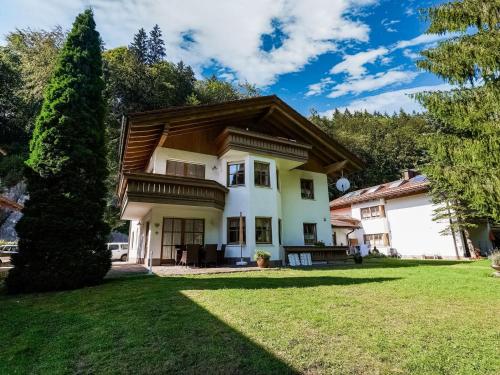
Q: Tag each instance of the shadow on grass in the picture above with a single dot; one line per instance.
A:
(140, 325)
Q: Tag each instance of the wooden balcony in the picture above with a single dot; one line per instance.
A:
(163, 189)
(244, 140)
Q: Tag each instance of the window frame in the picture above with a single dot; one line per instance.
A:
(370, 210)
(261, 173)
(372, 235)
(312, 188)
(270, 219)
(228, 230)
(240, 172)
(185, 166)
(315, 233)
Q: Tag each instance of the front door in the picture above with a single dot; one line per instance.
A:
(178, 232)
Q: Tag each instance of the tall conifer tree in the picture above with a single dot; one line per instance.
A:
(156, 46)
(140, 45)
(62, 234)
(464, 149)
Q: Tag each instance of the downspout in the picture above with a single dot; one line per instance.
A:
(347, 236)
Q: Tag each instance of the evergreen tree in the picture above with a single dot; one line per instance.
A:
(386, 143)
(140, 46)
(62, 234)
(464, 148)
(156, 46)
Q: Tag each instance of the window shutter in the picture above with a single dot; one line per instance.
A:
(381, 210)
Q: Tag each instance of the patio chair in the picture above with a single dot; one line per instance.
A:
(221, 255)
(210, 255)
(191, 255)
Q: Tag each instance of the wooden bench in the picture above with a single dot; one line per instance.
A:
(321, 254)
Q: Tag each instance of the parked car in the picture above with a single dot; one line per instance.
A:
(6, 252)
(119, 251)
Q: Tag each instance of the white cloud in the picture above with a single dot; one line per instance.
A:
(391, 101)
(410, 54)
(318, 88)
(372, 82)
(388, 24)
(421, 39)
(354, 65)
(226, 33)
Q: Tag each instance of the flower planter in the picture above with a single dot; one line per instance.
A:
(263, 263)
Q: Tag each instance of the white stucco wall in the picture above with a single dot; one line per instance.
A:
(297, 211)
(413, 232)
(374, 225)
(252, 201)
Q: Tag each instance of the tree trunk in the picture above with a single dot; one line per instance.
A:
(469, 244)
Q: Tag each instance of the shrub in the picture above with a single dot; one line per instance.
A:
(262, 254)
(319, 244)
(495, 257)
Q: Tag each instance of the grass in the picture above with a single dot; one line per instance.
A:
(385, 316)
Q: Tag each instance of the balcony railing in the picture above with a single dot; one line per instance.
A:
(244, 140)
(156, 188)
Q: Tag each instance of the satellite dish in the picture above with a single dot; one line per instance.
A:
(343, 184)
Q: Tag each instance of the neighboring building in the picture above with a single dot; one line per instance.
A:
(188, 172)
(398, 215)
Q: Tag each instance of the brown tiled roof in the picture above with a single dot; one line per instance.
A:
(400, 188)
(344, 221)
(9, 204)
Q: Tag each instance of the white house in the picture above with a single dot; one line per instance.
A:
(188, 172)
(398, 215)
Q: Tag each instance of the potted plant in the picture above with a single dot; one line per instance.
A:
(262, 257)
(495, 262)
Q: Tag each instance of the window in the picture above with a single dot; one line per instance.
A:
(370, 212)
(307, 189)
(180, 168)
(263, 230)
(261, 174)
(309, 234)
(233, 230)
(114, 247)
(236, 174)
(374, 239)
(125, 247)
(177, 232)
(277, 179)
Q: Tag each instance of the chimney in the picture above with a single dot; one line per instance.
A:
(409, 173)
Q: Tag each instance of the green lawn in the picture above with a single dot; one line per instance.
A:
(385, 316)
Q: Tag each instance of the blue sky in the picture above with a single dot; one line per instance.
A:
(321, 54)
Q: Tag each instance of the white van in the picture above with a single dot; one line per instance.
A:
(119, 250)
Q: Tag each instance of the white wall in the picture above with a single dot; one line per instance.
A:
(374, 225)
(252, 201)
(413, 232)
(297, 211)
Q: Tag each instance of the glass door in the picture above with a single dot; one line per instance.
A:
(179, 232)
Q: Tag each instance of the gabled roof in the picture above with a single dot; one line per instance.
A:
(399, 188)
(142, 132)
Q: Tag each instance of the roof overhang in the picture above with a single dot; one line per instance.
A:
(143, 132)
